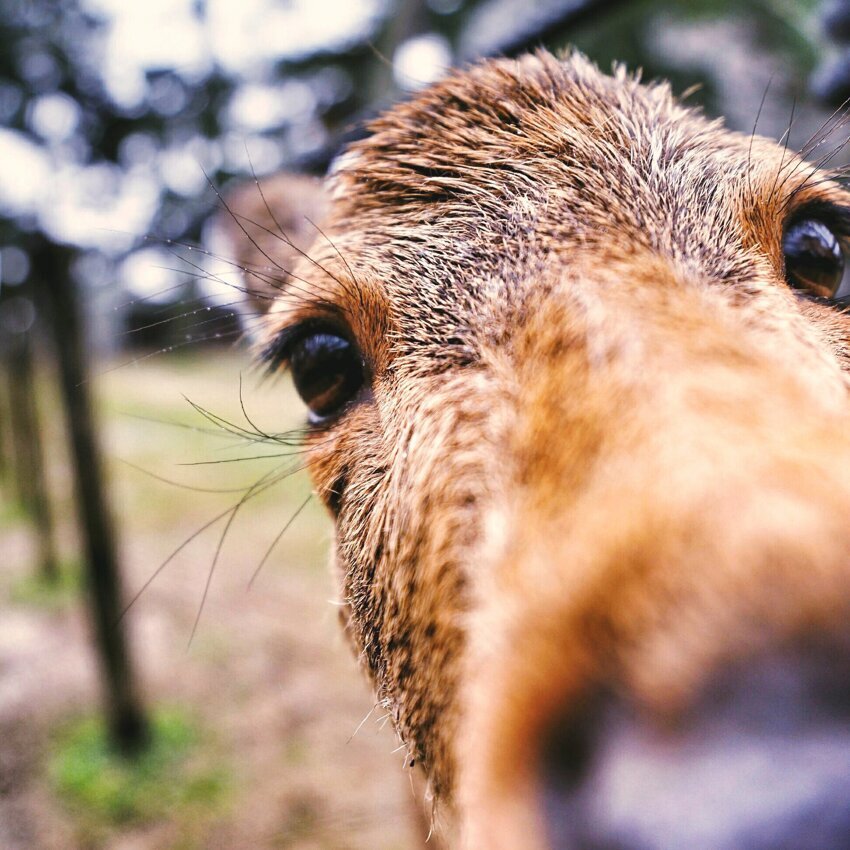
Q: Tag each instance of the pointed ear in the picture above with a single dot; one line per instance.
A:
(266, 227)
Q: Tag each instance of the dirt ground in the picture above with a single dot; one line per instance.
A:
(268, 674)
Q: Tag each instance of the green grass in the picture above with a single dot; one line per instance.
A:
(12, 511)
(37, 591)
(177, 778)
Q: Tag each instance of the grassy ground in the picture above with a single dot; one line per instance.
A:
(267, 691)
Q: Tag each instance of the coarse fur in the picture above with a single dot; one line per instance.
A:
(602, 443)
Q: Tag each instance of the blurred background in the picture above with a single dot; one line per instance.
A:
(143, 460)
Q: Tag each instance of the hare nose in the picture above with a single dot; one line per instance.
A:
(760, 762)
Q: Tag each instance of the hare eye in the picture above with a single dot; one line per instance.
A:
(327, 370)
(814, 259)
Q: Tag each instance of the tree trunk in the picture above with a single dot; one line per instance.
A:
(127, 720)
(16, 384)
(28, 451)
(5, 434)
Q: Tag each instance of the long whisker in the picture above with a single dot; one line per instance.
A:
(277, 539)
(180, 484)
(239, 219)
(785, 138)
(243, 459)
(255, 492)
(287, 239)
(165, 350)
(212, 432)
(257, 488)
(245, 412)
(753, 134)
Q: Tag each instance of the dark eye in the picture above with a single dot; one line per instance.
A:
(327, 370)
(814, 258)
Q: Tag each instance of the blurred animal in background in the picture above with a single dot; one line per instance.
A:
(576, 364)
(271, 224)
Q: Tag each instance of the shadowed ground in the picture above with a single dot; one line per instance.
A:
(267, 678)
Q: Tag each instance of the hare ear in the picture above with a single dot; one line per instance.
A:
(267, 227)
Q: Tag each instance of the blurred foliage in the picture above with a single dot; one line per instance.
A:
(52, 48)
(175, 777)
(831, 81)
(185, 125)
(783, 30)
(12, 511)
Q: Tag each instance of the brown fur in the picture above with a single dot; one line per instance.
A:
(605, 443)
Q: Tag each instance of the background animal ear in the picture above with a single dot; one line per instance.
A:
(267, 226)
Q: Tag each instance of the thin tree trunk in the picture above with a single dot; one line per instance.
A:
(127, 720)
(16, 383)
(5, 461)
(29, 453)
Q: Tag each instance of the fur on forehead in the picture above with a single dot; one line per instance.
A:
(475, 184)
(502, 127)
(509, 161)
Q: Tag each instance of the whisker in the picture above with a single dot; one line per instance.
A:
(180, 484)
(277, 539)
(239, 219)
(142, 298)
(784, 139)
(212, 432)
(168, 349)
(231, 427)
(291, 438)
(181, 316)
(334, 246)
(287, 239)
(245, 412)
(253, 491)
(170, 558)
(270, 280)
(753, 135)
(242, 459)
